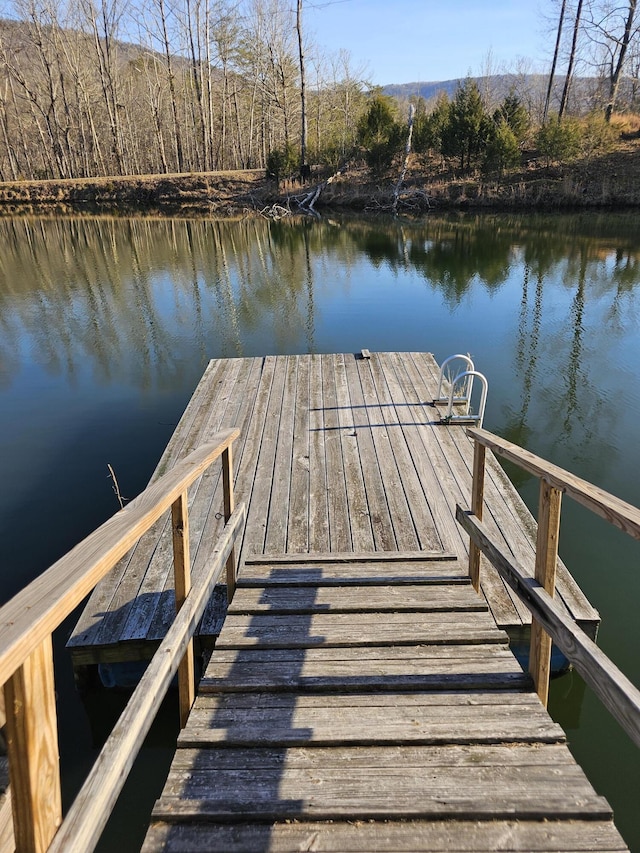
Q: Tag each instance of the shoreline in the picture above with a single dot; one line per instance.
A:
(581, 186)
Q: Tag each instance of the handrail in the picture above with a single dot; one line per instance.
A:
(85, 820)
(546, 624)
(614, 510)
(614, 689)
(28, 620)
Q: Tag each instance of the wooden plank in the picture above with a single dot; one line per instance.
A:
(377, 791)
(373, 557)
(319, 529)
(384, 380)
(460, 668)
(545, 575)
(182, 569)
(364, 575)
(151, 613)
(343, 723)
(337, 504)
(32, 747)
(298, 524)
(414, 422)
(381, 599)
(359, 516)
(258, 507)
(282, 424)
(455, 471)
(99, 602)
(566, 836)
(108, 600)
(357, 629)
(525, 701)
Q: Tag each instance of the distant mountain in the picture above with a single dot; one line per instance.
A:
(530, 88)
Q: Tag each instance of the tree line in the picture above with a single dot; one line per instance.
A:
(123, 87)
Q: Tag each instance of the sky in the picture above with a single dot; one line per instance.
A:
(404, 41)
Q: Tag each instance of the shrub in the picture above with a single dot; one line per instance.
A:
(559, 141)
(380, 135)
(281, 162)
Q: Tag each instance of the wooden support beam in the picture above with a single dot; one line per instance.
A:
(32, 746)
(182, 574)
(229, 504)
(477, 503)
(549, 506)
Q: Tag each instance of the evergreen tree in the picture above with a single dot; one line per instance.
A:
(468, 127)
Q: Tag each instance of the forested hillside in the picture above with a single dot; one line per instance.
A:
(96, 88)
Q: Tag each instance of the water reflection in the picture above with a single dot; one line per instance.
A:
(106, 326)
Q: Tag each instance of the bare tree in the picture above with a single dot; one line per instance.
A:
(572, 58)
(554, 62)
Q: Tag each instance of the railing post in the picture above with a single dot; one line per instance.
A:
(32, 745)
(229, 503)
(477, 501)
(182, 574)
(545, 573)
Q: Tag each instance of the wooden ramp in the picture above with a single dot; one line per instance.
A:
(370, 705)
(337, 454)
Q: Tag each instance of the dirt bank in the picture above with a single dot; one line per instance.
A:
(610, 180)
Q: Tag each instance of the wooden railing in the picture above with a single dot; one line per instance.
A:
(26, 657)
(549, 621)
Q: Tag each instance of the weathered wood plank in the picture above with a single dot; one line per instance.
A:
(340, 723)
(525, 700)
(359, 517)
(257, 512)
(391, 837)
(347, 599)
(283, 429)
(420, 510)
(337, 503)
(386, 758)
(383, 668)
(374, 791)
(292, 631)
(107, 601)
(319, 538)
(298, 527)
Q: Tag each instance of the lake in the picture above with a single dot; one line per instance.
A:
(107, 324)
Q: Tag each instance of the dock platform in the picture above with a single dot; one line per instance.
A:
(338, 454)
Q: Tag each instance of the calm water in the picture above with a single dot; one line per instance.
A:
(106, 326)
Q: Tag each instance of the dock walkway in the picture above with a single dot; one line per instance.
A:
(337, 454)
(370, 706)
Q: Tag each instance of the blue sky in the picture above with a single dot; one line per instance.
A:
(409, 40)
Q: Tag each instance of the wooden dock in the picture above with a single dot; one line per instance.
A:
(359, 694)
(338, 455)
